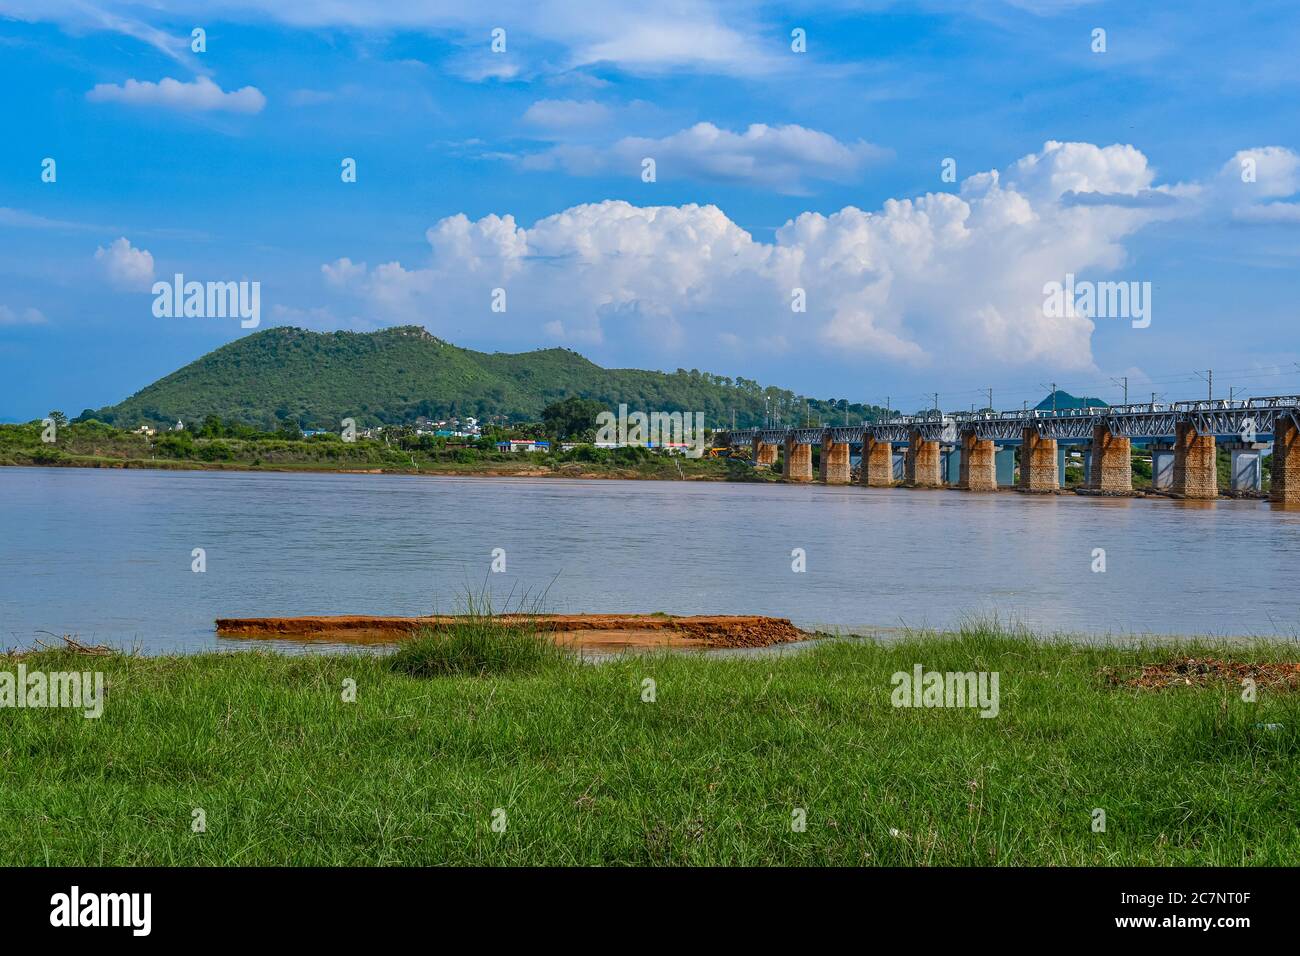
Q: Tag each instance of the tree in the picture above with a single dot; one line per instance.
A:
(59, 418)
(573, 417)
(212, 427)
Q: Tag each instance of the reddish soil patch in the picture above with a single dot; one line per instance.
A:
(1199, 672)
(578, 630)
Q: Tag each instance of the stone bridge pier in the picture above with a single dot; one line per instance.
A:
(979, 471)
(877, 469)
(1285, 475)
(1112, 462)
(834, 467)
(798, 461)
(921, 465)
(765, 453)
(1196, 472)
(1038, 472)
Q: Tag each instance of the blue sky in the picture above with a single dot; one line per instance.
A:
(775, 170)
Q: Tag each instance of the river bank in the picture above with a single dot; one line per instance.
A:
(658, 759)
(93, 445)
(665, 471)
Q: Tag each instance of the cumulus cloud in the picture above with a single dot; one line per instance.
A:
(944, 277)
(200, 95)
(126, 267)
(1251, 185)
(342, 271)
(776, 157)
(28, 316)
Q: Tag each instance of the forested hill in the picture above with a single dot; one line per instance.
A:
(393, 376)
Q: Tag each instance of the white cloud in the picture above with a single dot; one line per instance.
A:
(201, 95)
(557, 35)
(1081, 168)
(775, 157)
(566, 114)
(1273, 212)
(342, 271)
(1276, 172)
(1250, 184)
(28, 316)
(126, 267)
(955, 278)
(683, 35)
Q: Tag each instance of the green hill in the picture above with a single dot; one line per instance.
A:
(1064, 400)
(393, 376)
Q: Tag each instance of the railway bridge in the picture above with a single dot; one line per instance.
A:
(975, 451)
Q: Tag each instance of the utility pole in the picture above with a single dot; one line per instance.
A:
(1209, 378)
(1053, 396)
(990, 406)
(1125, 381)
(936, 405)
(888, 415)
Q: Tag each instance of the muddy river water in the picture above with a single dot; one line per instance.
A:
(110, 555)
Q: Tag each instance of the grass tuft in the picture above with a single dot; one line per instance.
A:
(480, 644)
(476, 648)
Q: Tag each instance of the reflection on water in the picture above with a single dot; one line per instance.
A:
(106, 555)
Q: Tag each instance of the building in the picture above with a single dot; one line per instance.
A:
(523, 444)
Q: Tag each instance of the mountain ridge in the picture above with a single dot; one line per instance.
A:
(395, 375)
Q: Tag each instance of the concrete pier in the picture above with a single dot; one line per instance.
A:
(1245, 474)
(1285, 476)
(1111, 464)
(978, 464)
(921, 467)
(1038, 463)
(877, 468)
(835, 468)
(976, 450)
(1196, 473)
(798, 461)
(765, 453)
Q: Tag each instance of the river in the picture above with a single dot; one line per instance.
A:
(107, 555)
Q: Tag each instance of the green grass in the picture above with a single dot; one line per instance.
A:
(478, 648)
(709, 773)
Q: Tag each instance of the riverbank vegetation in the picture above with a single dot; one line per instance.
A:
(239, 447)
(798, 759)
(214, 444)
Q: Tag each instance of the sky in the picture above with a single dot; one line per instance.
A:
(861, 200)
